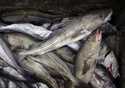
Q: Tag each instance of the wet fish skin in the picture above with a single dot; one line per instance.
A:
(19, 41)
(14, 73)
(74, 46)
(59, 25)
(39, 71)
(6, 55)
(55, 66)
(16, 78)
(108, 59)
(37, 32)
(65, 54)
(2, 83)
(3, 64)
(82, 27)
(40, 85)
(101, 78)
(86, 59)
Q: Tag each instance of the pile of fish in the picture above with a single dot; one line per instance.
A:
(68, 54)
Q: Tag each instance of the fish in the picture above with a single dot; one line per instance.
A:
(55, 66)
(74, 46)
(101, 78)
(3, 63)
(37, 32)
(5, 73)
(65, 54)
(86, 58)
(108, 59)
(36, 69)
(14, 73)
(76, 29)
(57, 26)
(19, 41)
(40, 85)
(2, 83)
(7, 57)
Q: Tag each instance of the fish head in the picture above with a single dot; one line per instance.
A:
(95, 19)
(105, 15)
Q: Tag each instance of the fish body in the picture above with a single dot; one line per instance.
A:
(6, 55)
(55, 66)
(14, 73)
(108, 59)
(73, 31)
(101, 78)
(86, 59)
(19, 41)
(37, 70)
(74, 46)
(65, 54)
(37, 32)
(2, 83)
(12, 85)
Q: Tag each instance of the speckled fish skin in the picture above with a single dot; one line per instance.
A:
(39, 71)
(73, 31)
(108, 59)
(2, 83)
(86, 59)
(12, 85)
(65, 54)
(101, 78)
(37, 32)
(14, 73)
(19, 41)
(6, 55)
(55, 66)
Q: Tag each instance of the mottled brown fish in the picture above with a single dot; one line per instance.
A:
(65, 54)
(108, 59)
(73, 31)
(101, 78)
(19, 41)
(55, 66)
(7, 56)
(86, 59)
(36, 69)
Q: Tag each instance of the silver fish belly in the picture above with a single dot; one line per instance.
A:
(101, 79)
(108, 59)
(19, 41)
(37, 32)
(65, 54)
(55, 66)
